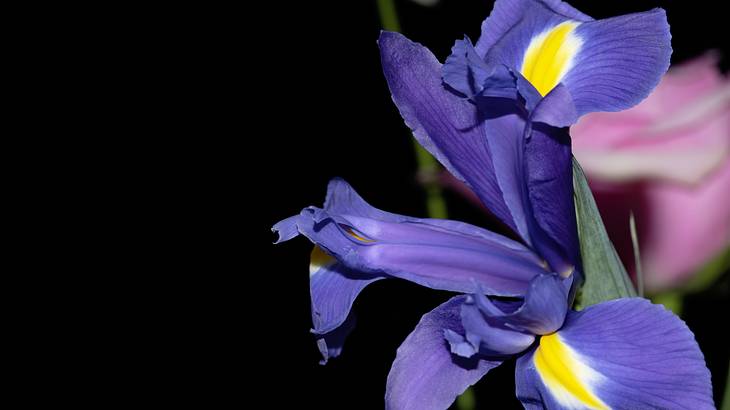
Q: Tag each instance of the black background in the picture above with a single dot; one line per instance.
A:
(327, 112)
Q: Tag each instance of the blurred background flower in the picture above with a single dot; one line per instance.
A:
(667, 160)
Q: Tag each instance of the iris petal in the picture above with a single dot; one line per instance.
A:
(622, 60)
(626, 353)
(542, 311)
(445, 124)
(606, 65)
(447, 255)
(425, 375)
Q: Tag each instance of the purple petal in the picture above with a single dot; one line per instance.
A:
(330, 344)
(439, 254)
(445, 124)
(466, 72)
(624, 354)
(524, 21)
(425, 375)
(541, 312)
(532, 170)
(621, 61)
(609, 65)
(333, 289)
(507, 143)
(507, 13)
(550, 186)
(486, 335)
(556, 109)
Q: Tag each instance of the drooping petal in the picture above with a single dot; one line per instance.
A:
(622, 354)
(330, 344)
(439, 254)
(425, 375)
(606, 65)
(333, 288)
(444, 123)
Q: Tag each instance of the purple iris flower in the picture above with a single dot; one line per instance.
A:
(494, 116)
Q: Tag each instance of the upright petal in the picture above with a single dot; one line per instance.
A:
(445, 255)
(622, 354)
(550, 186)
(445, 124)
(534, 171)
(425, 375)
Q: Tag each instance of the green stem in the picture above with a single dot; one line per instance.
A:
(388, 16)
(428, 168)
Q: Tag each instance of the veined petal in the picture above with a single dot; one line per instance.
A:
(333, 288)
(539, 42)
(445, 255)
(550, 185)
(606, 65)
(622, 354)
(534, 171)
(621, 61)
(445, 124)
(425, 375)
(507, 13)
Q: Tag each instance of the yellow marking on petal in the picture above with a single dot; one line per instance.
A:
(565, 375)
(318, 260)
(550, 55)
(567, 271)
(356, 235)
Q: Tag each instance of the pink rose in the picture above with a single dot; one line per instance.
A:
(668, 160)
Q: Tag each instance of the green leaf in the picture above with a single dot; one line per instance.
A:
(605, 275)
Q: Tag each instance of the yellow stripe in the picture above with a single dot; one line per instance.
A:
(564, 374)
(357, 236)
(549, 56)
(318, 260)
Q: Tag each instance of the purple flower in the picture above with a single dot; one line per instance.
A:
(494, 116)
(622, 354)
